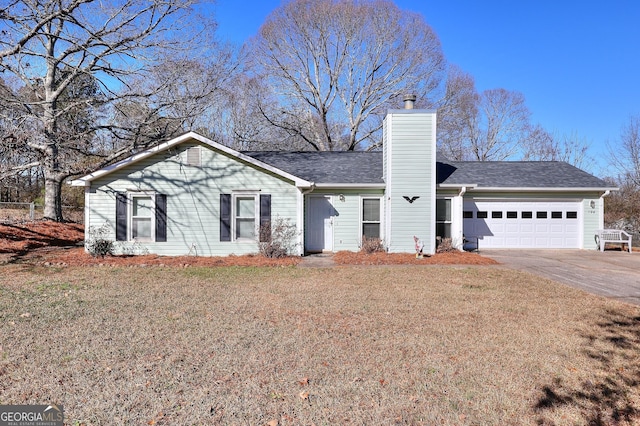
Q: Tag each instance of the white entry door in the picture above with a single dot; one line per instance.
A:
(320, 224)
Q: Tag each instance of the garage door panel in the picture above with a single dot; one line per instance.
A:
(542, 228)
(512, 228)
(557, 228)
(498, 228)
(543, 224)
(526, 227)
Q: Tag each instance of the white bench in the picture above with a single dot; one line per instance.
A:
(616, 236)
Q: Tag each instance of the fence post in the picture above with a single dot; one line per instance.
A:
(32, 210)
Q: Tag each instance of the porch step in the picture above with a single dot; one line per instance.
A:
(320, 260)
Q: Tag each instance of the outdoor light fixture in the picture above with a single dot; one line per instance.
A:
(341, 196)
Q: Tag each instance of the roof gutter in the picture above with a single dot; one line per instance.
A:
(542, 189)
(351, 185)
(310, 189)
(456, 185)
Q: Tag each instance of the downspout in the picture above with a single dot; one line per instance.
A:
(460, 243)
(601, 221)
(301, 227)
(87, 216)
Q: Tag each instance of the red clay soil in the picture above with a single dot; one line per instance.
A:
(20, 237)
(60, 244)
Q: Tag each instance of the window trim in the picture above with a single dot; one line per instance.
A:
(444, 222)
(363, 222)
(234, 217)
(130, 199)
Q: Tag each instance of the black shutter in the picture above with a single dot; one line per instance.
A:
(265, 217)
(161, 218)
(225, 217)
(121, 216)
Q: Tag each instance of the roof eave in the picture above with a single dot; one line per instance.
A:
(86, 180)
(544, 189)
(351, 185)
(456, 185)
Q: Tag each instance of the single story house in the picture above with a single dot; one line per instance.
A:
(191, 195)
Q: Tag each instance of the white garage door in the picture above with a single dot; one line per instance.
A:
(523, 224)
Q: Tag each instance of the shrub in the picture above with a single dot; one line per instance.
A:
(371, 245)
(98, 245)
(444, 245)
(278, 239)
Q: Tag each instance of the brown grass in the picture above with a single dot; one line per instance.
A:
(416, 345)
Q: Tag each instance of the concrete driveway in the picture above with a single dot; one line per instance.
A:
(613, 274)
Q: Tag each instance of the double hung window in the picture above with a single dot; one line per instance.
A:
(443, 217)
(371, 217)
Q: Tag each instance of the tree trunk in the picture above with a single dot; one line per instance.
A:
(53, 196)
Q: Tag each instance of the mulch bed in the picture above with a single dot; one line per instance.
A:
(60, 244)
(382, 258)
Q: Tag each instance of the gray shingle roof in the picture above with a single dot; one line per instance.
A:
(366, 168)
(350, 167)
(517, 174)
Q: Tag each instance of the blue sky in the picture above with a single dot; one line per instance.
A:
(576, 62)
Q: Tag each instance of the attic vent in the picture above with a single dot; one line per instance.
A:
(193, 156)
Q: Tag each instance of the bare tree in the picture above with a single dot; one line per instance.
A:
(335, 65)
(545, 146)
(500, 127)
(455, 113)
(623, 206)
(48, 46)
(625, 155)
(489, 126)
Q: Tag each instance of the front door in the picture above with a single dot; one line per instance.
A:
(320, 224)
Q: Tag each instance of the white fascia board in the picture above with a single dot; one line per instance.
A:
(85, 180)
(351, 185)
(456, 185)
(537, 189)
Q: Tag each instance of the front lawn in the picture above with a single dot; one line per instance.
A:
(346, 345)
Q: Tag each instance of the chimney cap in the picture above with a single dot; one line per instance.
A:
(409, 99)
